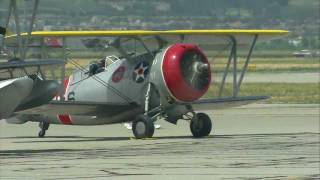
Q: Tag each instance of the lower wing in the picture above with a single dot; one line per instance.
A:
(82, 108)
(110, 109)
(222, 103)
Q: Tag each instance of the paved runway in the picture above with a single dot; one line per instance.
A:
(254, 141)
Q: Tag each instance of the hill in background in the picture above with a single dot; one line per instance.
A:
(300, 17)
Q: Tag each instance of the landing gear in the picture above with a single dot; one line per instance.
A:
(44, 126)
(143, 127)
(200, 125)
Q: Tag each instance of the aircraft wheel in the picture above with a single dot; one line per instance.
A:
(143, 127)
(41, 133)
(44, 126)
(200, 125)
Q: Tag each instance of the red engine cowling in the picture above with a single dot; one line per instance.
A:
(186, 72)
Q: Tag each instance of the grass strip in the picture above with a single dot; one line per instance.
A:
(292, 93)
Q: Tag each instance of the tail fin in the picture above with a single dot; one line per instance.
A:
(2, 30)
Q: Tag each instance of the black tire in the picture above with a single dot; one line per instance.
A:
(44, 125)
(41, 133)
(200, 125)
(142, 127)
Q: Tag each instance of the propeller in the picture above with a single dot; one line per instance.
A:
(195, 70)
(185, 71)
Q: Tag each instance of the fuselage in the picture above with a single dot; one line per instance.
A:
(121, 81)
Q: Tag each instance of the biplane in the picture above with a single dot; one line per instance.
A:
(22, 86)
(22, 82)
(145, 76)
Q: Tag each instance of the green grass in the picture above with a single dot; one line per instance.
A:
(291, 64)
(279, 92)
(273, 60)
(288, 64)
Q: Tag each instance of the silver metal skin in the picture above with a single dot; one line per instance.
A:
(156, 78)
(86, 88)
(167, 100)
(83, 87)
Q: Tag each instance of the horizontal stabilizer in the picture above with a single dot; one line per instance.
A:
(222, 103)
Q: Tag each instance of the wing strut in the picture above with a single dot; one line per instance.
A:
(225, 73)
(34, 12)
(233, 57)
(245, 66)
(22, 48)
(13, 6)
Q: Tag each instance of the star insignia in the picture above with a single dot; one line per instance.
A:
(140, 72)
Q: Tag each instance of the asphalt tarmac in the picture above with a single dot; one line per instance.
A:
(249, 142)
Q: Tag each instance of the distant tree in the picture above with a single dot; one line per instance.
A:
(305, 42)
(273, 10)
(282, 3)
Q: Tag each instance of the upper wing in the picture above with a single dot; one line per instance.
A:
(82, 108)
(242, 35)
(19, 68)
(22, 64)
(153, 40)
